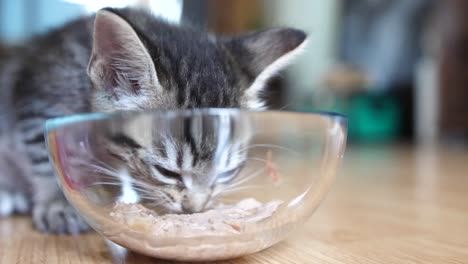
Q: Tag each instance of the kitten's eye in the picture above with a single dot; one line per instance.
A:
(168, 173)
(125, 141)
(227, 176)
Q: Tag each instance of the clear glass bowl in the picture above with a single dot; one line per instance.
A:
(239, 181)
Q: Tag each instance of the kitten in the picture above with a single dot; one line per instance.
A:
(121, 59)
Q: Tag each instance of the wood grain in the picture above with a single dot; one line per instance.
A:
(389, 205)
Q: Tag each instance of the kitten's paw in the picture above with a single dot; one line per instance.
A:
(13, 202)
(58, 217)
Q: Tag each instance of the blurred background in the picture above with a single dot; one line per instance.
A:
(398, 68)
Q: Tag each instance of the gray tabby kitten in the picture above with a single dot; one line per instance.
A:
(119, 59)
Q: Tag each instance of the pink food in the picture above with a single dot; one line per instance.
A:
(272, 168)
(221, 220)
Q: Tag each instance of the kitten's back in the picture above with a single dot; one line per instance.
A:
(51, 78)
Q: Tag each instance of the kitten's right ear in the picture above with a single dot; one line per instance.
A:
(120, 66)
(261, 55)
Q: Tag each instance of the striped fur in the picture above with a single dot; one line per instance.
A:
(134, 62)
(185, 160)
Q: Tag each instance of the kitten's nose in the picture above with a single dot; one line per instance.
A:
(194, 203)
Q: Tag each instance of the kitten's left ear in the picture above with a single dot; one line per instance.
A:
(120, 67)
(261, 55)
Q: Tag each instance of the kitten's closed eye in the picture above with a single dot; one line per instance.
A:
(124, 140)
(168, 173)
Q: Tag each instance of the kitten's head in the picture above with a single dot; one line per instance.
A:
(181, 163)
(139, 62)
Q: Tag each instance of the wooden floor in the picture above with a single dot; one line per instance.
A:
(389, 205)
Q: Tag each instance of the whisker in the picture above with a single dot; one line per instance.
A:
(248, 178)
(152, 192)
(111, 177)
(220, 195)
(103, 170)
(120, 185)
(249, 171)
(258, 159)
(241, 188)
(154, 204)
(116, 178)
(282, 108)
(159, 203)
(108, 177)
(136, 184)
(267, 146)
(107, 183)
(239, 182)
(234, 190)
(133, 181)
(101, 163)
(145, 185)
(154, 195)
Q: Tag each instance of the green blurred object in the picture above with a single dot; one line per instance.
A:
(372, 117)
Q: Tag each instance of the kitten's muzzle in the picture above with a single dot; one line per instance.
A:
(195, 202)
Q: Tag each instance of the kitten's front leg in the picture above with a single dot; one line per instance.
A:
(12, 202)
(51, 211)
(14, 196)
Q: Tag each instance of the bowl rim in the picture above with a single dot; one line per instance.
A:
(58, 122)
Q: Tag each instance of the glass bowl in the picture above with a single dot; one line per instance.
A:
(196, 185)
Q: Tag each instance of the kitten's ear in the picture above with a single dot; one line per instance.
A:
(262, 55)
(120, 66)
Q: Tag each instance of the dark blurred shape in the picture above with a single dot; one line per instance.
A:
(223, 16)
(195, 13)
(228, 16)
(383, 38)
(2, 51)
(454, 70)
